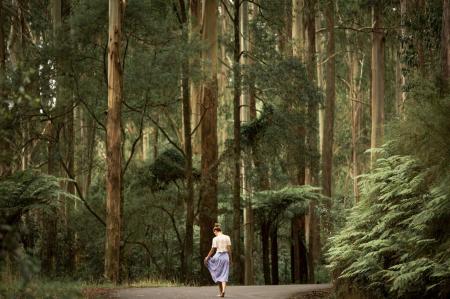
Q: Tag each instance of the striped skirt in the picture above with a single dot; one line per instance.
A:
(219, 266)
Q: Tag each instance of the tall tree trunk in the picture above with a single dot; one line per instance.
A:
(355, 99)
(114, 144)
(16, 38)
(400, 65)
(312, 232)
(330, 92)
(196, 25)
(421, 10)
(5, 164)
(50, 219)
(299, 269)
(274, 253)
(265, 232)
(70, 137)
(2, 46)
(189, 231)
(237, 266)
(377, 67)
(208, 192)
(329, 104)
(69, 204)
(245, 117)
(295, 259)
(155, 139)
(299, 261)
(298, 32)
(446, 44)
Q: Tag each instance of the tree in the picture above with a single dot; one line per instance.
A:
(237, 269)
(330, 95)
(246, 188)
(189, 233)
(114, 144)
(196, 25)
(446, 44)
(299, 265)
(209, 146)
(312, 221)
(377, 67)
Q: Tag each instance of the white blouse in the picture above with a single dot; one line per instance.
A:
(221, 242)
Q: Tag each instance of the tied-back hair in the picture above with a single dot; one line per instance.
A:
(217, 227)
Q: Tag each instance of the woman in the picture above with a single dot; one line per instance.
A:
(219, 264)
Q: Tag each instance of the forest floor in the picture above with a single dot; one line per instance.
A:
(305, 291)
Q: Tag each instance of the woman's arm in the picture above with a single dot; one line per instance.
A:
(210, 253)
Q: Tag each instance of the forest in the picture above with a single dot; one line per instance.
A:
(316, 132)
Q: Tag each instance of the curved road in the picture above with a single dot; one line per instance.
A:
(244, 292)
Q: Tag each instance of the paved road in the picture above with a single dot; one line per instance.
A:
(244, 292)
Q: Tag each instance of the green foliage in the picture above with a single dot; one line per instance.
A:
(395, 243)
(168, 167)
(22, 192)
(254, 130)
(289, 200)
(27, 190)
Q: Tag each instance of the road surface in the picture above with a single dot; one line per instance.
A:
(244, 292)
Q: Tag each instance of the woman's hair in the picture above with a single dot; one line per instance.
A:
(217, 227)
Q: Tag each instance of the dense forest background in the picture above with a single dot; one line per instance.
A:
(315, 131)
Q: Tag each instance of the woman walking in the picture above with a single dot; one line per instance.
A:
(219, 264)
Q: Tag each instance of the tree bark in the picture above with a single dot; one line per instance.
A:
(49, 219)
(420, 7)
(196, 26)
(189, 229)
(330, 98)
(295, 249)
(299, 45)
(237, 215)
(330, 95)
(274, 253)
(400, 64)
(16, 38)
(298, 32)
(446, 44)
(265, 232)
(2, 46)
(155, 139)
(312, 232)
(113, 144)
(245, 117)
(356, 114)
(209, 148)
(377, 132)
(5, 164)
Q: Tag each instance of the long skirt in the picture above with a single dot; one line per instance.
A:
(219, 266)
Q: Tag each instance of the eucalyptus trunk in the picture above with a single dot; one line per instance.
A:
(274, 253)
(265, 233)
(237, 214)
(377, 97)
(245, 168)
(209, 142)
(299, 268)
(446, 44)
(312, 232)
(196, 25)
(189, 229)
(114, 144)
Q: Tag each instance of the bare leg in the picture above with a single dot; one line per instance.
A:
(220, 288)
(224, 284)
